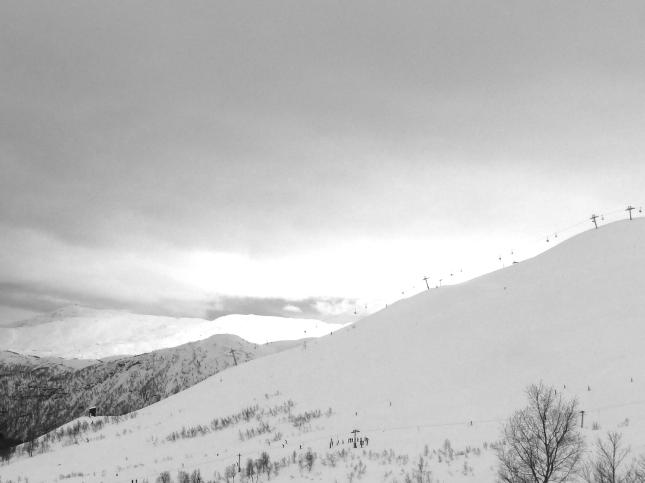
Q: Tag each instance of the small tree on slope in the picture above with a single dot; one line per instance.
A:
(541, 442)
(610, 466)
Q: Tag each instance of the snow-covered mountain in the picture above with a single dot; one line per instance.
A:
(429, 381)
(39, 394)
(86, 333)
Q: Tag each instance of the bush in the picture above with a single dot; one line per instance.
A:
(309, 459)
(263, 463)
(196, 477)
(250, 469)
(164, 477)
(230, 473)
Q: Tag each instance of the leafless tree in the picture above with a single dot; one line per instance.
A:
(230, 473)
(250, 469)
(164, 477)
(264, 464)
(541, 442)
(609, 464)
(639, 470)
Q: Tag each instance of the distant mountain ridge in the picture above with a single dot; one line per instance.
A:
(39, 394)
(87, 333)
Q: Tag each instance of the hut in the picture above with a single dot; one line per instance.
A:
(91, 411)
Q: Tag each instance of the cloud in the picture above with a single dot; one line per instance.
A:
(165, 158)
(292, 309)
(174, 124)
(32, 297)
(311, 307)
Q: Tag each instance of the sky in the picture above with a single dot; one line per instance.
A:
(305, 159)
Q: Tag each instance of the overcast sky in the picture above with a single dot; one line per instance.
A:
(290, 157)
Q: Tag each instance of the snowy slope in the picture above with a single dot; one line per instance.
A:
(413, 374)
(85, 333)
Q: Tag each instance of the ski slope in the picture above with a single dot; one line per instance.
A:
(447, 364)
(86, 333)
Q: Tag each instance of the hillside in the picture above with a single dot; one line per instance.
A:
(87, 333)
(429, 380)
(39, 394)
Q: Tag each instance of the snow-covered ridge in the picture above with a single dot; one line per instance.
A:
(86, 333)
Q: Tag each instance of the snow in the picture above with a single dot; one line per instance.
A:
(86, 333)
(414, 374)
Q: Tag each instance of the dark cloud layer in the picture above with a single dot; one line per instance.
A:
(47, 299)
(270, 128)
(246, 124)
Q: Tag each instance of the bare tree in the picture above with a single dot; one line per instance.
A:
(541, 442)
(230, 472)
(250, 469)
(638, 470)
(609, 465)
(609, 458)
(264, 464)
(164, 477)
(196, 477)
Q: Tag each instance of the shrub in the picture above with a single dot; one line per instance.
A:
(164, 477)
